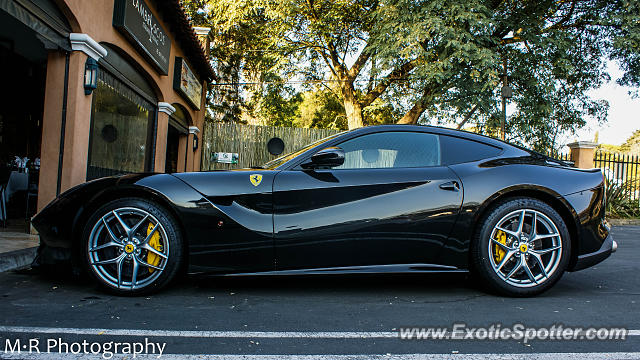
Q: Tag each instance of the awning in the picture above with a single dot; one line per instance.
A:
(43, 17)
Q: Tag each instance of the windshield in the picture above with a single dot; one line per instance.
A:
(283, 159)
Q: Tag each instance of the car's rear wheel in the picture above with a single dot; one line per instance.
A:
(522, 247)
(132, 246)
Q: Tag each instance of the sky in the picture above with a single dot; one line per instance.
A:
(624, 113)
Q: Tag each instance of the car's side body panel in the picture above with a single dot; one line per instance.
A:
(589, 205)
(238, 234)
(333, 218)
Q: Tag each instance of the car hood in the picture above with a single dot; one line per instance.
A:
(230, 182)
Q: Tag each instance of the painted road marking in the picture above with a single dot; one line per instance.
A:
(215, 333)
(528, 356)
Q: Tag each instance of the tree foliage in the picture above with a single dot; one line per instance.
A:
(632, 144)
(440, 61)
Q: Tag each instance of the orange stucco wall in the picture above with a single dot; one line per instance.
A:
(94, 18)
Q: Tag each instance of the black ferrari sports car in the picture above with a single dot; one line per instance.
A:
(392, 198)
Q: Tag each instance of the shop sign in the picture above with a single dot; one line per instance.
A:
(134, 19)
(225, 158)
(186, 83)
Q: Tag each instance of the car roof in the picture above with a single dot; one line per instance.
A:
(436, 130)
(507, 148)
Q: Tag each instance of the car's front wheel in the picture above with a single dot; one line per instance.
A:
(522, 247)
(132, 246)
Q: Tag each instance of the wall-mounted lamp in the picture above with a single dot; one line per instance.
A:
(194, 130)
(90, 76)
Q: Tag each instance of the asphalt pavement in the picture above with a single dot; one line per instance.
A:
(328, 317)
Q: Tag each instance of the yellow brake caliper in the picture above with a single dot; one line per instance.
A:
(499, 253)
(154, 242)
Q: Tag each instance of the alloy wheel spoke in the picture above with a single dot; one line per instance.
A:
(534, 227)
(515, 268)
(134, 274)
(545, 251)
(127, 230)
(136, 226)
(110, 261)
(113, 236)
(504, 246)
(106, 245)
(144, 263)
(506, 258)
(528, 270)
(120, 263)
(150, 248)
(150, 234)
(540, 264)
(509, 232)
(521, 222)
(545, 236)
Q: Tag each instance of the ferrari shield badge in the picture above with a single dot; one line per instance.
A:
(255, 179)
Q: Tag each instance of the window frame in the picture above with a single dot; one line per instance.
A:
(303, 158)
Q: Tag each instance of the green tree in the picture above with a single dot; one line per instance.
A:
(632, 144)
(321, 109)
(443, 60)
(276, 103)
(247, 76)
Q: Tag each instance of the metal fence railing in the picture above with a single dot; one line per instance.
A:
(620, 170)
(566, 157)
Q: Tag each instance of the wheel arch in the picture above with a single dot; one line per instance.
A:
(548, 196)
(118, 192)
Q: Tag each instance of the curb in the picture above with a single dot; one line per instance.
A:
(16, 259)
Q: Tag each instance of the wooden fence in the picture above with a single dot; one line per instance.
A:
(250, 143)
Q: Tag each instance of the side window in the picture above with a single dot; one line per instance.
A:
(457, 150)
(391, 150)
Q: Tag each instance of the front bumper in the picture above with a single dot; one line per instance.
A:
(609, 246)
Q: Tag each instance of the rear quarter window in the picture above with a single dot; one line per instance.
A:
(456, 150)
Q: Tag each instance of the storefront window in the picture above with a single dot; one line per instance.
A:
(122, 130)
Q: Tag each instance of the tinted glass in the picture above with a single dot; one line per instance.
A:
(457, 150)
(391, 150)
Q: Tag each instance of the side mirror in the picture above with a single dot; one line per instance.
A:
(325, 158)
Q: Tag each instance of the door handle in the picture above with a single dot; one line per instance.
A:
(450, 186)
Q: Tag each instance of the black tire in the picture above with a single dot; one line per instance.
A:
(523, 282)
(132, 211)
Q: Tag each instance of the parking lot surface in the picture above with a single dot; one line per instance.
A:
(328, 317)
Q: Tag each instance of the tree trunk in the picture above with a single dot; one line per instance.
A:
(352, 107)
(466, 118)
(427, 98)
(412, 116)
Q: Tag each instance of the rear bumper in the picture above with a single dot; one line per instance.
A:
(608, 247)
